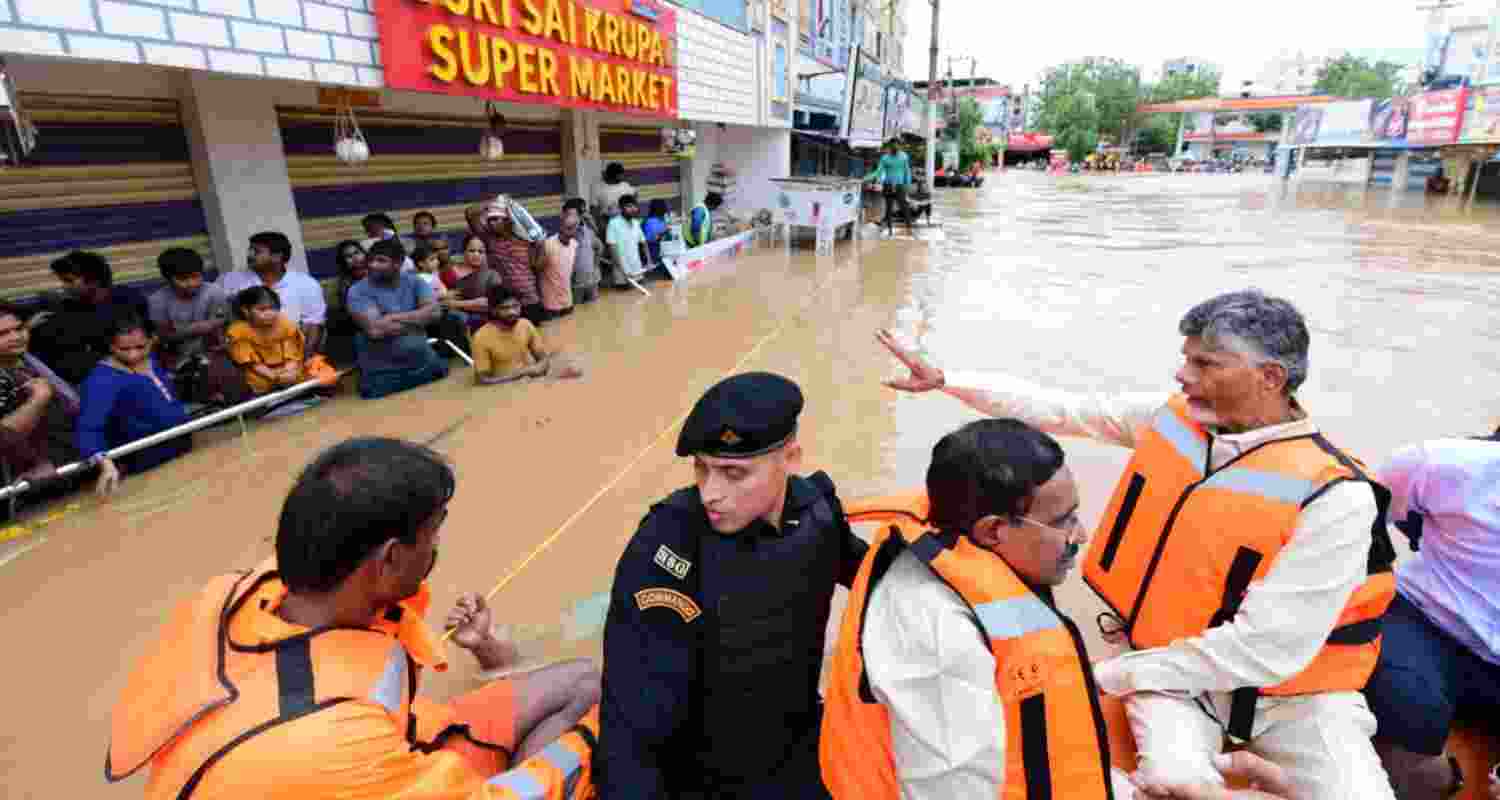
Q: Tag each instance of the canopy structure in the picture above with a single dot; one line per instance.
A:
(1284, 102)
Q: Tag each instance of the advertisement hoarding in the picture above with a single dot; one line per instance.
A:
(610, 55)
(1306, 123)
(1434, 117)
(866, 105)
(1345, 124)
(1482, 123)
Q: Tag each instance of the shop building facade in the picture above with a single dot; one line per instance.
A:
(201, 122)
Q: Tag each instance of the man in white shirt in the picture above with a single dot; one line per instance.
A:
(301, 295)
(1245, 355)
(627, 241)
(1440, 649)
(952, 634)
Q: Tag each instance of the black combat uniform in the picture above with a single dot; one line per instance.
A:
(714, 644)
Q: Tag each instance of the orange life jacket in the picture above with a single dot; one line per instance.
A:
(199, 694)
(1056, 743)
(1179, 544)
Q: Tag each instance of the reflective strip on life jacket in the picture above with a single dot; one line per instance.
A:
(1179, 545)
(559, 772)
(1056, 744)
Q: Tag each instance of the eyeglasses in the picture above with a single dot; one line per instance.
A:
(1069, 525)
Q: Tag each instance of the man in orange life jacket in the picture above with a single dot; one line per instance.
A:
(918, 706)
(1244, 554)
(298, 679)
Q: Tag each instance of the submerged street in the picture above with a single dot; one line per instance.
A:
(1076, 283)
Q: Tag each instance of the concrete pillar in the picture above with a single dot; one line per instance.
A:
(1401, 177)
(696, 170)
(239, 164)
(582, 165)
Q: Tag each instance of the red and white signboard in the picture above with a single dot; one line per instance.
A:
(1435, 117)
(611, 55)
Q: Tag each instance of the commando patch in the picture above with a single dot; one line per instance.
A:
(660, 597)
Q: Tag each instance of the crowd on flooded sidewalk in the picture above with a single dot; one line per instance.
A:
(106, 365)
(1274, 649)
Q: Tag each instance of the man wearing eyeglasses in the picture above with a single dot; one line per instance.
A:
(1245, 556)
(956, 675)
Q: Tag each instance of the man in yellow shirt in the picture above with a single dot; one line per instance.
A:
(508, 348)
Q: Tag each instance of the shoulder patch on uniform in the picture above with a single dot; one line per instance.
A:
(661, 597)
(672, 563)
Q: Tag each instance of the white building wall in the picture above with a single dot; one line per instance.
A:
(756, 155)
(332, 42)
(717, 78)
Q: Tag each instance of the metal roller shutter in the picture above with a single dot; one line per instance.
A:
(109, 174)
(417, 163)
(654, 174)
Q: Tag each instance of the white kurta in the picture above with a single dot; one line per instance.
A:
(1177, 694)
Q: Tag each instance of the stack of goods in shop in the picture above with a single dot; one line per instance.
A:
(721, 179)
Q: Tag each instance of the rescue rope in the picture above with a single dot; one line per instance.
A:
(619, 476)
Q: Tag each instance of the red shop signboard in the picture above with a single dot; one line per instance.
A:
(1435, 117)
(611, 55)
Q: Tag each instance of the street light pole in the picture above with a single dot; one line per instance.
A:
(931, 124)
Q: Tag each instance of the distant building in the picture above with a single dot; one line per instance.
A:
(994, 100)
(1288, 73)
(1465, 52)
(1189, 65)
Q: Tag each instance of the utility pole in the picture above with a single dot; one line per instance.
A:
(932, 75)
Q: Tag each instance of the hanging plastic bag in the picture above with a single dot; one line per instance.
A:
(491, 142)
(348, 140)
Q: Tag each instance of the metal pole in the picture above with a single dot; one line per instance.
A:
(171, 433)
(931, 124)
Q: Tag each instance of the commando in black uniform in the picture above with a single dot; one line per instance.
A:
(714, 643)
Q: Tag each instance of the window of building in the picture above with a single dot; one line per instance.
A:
(779, 62)
(733, 13)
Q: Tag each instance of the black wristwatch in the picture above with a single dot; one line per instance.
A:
(1458, 777)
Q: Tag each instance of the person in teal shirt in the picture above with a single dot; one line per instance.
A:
(893, 173)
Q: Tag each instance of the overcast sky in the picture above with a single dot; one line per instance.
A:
(1014, 42)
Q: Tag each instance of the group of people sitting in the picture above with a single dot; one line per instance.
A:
(106, 365)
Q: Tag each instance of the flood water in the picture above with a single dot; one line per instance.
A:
(1073, 282)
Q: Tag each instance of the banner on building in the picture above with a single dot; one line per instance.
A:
(863, 127)
(1434, 117)
(1482, 123)
(1345, 124)
(611, 55)
(1306, 124)
(897, 105)
(1388, 118)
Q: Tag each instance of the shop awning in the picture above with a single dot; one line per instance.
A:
(1028, 142)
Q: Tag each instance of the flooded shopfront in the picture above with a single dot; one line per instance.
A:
(1076, 283)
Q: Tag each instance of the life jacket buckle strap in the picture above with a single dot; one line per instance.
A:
(1242, 704)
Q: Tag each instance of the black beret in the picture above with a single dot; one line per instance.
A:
(742, 416)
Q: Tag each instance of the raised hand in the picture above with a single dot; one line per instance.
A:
(924, 376)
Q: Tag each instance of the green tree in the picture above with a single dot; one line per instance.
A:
(1160, 133)
(1115, 94)
(970, 117)
(1266, 121)
(1355, 76)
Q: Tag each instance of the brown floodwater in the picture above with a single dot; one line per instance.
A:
(1073, 282)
